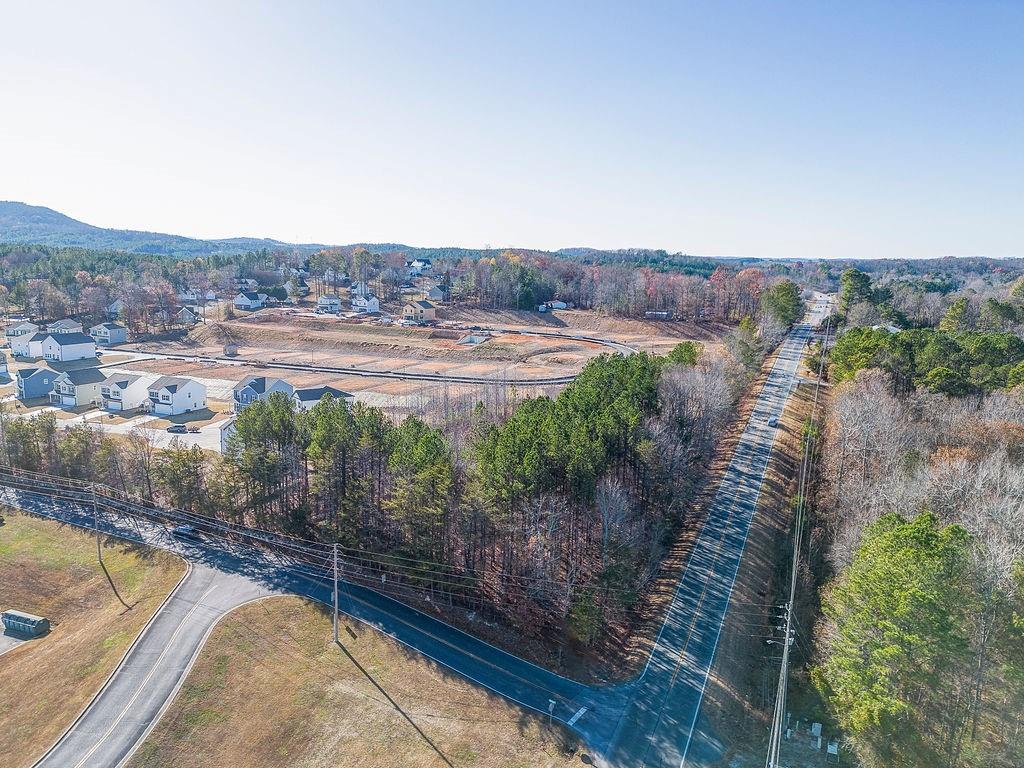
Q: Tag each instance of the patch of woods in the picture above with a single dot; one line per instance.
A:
(947, 362)
(550, 515)
(919, 552)
(959, 297)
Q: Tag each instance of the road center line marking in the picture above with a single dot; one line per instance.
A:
(152, 670)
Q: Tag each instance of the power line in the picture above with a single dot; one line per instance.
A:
(779, 714)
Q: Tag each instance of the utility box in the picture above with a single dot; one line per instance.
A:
(22, 623)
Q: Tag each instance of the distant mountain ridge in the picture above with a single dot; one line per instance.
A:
(38, 225)
(25, 224)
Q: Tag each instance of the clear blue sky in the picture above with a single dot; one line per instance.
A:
(819, 129)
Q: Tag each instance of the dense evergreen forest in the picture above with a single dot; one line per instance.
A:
(552, 519)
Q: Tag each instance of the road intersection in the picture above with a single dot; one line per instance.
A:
(654, 721)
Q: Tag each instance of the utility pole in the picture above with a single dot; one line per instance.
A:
(779, 714)
(96, 524)
(335, 592)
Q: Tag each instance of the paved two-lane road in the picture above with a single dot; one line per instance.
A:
(662, 726)
(132, 701)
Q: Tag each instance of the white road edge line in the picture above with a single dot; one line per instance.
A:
(117, 668)
(185, 673)
(718, 632)
(146, 679)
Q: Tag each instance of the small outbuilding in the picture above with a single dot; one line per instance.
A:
(21, 623)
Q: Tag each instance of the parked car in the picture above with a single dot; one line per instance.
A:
(185, 532)
(193, 430)
(177, 428)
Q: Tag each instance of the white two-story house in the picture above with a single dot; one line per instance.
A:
(17, 334)
(250, 300)
(67, 325)
(109, 333)
(174, 395)
(64, 347)
(329, 302)
(365, 305)
(126, 391)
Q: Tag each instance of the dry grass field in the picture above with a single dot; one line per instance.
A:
(51, 570)
(271, 689)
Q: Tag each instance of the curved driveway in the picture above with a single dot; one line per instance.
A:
(131, 702)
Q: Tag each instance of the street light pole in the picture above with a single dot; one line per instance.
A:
(335, 592)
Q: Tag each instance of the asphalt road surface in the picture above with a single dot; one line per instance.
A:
(134, 698)
(662, 727)
(652, 722)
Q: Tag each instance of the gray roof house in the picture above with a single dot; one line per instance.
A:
(253, 388)
(174, 395)
(67, 325)
(109, 333)
(68, 345)
(308, 397)
(79, 387)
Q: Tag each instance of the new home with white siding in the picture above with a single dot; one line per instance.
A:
(126, 391)
(64, 347)
(109, 333)
(175, 395)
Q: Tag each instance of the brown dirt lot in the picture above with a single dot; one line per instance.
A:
(271, 689)
(51, 570)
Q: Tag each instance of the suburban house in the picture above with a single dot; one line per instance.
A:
(195, 296)
(21, 331)
(29, 346)
(434, 294)
(334, 277)
(126, 391)
(245, 284)
(226, 427)
(420, 312)
(329, 302)
(4, 373)
(367, 305)
(188, 316)
(297, 287)
(359, 289)
(253, 388)
(68, 346)
(115, 309)
(309, 397)
(250, 300)
(109, 333)
(174, 395)
(35, 382)
(418, 266)
(74, 388)
(66, 325)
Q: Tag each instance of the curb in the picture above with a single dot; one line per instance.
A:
(184, 676)
(117, 668)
